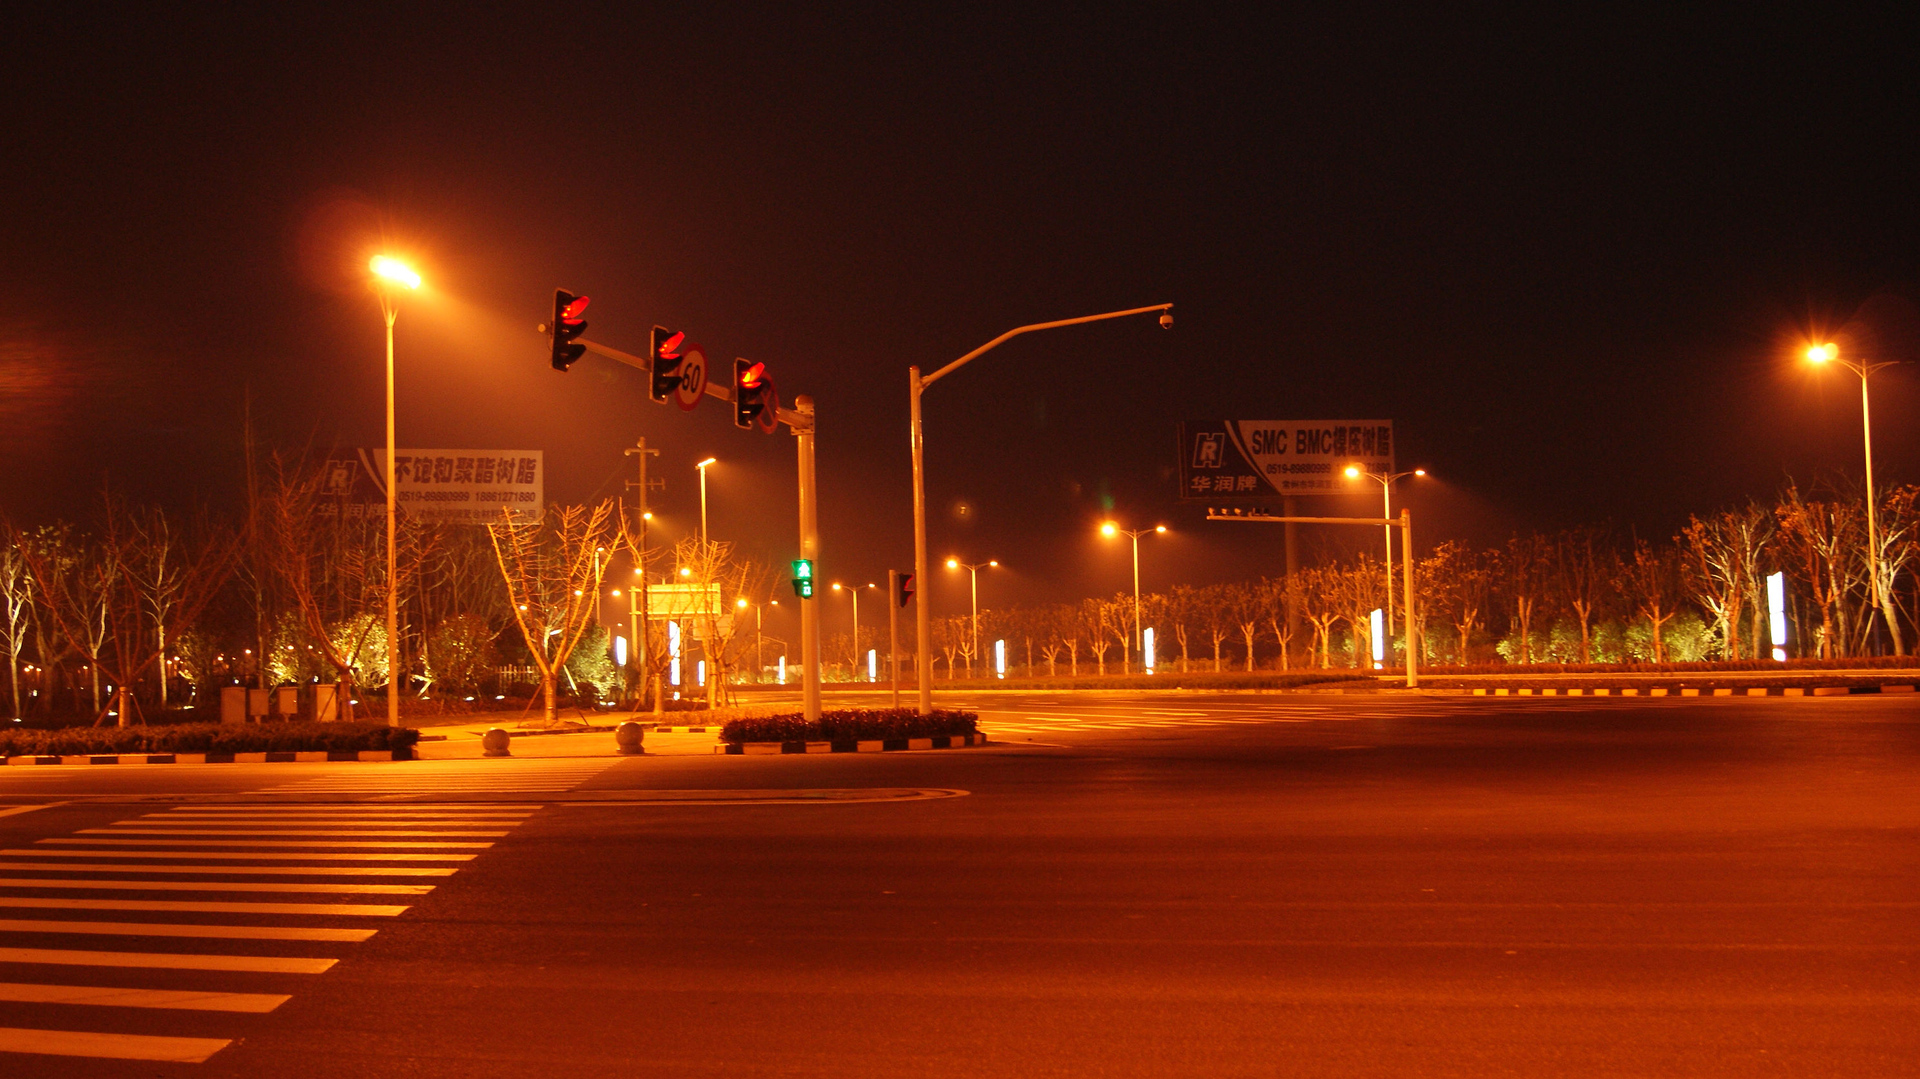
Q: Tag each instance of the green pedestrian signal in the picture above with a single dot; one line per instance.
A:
(803, 578)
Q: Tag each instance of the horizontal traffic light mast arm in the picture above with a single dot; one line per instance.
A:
(928, 380)
(714, 389)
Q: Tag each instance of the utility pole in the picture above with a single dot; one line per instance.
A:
(893, 633)
(637, 597)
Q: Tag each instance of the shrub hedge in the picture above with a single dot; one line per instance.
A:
(1164, 680)
(207, 738)
(862, 724)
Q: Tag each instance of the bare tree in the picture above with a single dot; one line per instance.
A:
(1526, 576)
(1719, 566)
(553, 576)
(1651, 580)
(1583, 567)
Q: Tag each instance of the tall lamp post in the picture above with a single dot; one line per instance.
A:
(1830, 353)
(1110, 529)
(702, 466)
(389, 275)
(973, 574)
(1386, 482)
(854, 591)
(916, 386)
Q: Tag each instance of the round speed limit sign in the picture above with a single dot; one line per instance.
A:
(693, 377)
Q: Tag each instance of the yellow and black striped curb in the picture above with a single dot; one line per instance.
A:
(850, 745)
(1668, 691)
(305, 756)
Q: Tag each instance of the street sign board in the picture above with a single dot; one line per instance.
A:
(1254, 460)
(693, 377)
(443, 486)
(683, 602)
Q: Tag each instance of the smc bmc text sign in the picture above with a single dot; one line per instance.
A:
(446, 486)
(1223, 460)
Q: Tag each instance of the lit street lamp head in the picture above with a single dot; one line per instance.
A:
(1159, 528)
(1109, 529)
(953, 563)
(394, 270)
(1823, 353)
(1353, 472)
(1419, 471)
(706, 462)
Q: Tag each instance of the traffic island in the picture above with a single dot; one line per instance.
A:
(855, 745)
(854, 730)
(210, 743)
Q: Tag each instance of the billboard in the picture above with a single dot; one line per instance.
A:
(443, 486)
(1236, 460)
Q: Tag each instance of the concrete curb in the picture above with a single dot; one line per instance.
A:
(297, 757)
(1666, 691)
(878, 745)
(710, 729)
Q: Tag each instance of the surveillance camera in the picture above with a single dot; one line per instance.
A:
(1166, 320)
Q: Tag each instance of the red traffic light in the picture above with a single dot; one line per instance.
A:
(753, 376)
(572, 312)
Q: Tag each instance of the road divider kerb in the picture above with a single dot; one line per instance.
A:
(1687, 691)
(877, 745)
(313, 756)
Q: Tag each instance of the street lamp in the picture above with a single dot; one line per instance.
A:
(855, 593)
(916, 385)
(1386, 482)
(973, 573)
(1110, 529)
(390, 275)
(1830, 353)
(702, 466)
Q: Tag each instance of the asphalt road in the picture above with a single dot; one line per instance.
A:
(1179, 885)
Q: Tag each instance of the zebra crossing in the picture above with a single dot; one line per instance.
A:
(168, 947)
(524, 775)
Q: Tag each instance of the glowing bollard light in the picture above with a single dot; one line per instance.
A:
(620, 650)
(700, 672)
(783, 670)
(873, 664)
(1777, 613)
(673, 653)
(1379, 638)
(1146, 644)
(1000, 659)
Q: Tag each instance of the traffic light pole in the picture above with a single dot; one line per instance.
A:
(799, 419)
(809, 549)
(1404, 523)
(916, 386)
(893, 633)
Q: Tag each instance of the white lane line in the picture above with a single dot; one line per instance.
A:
(290, 820)
(265, 843)
(16, 810)
(278, 870)
(330, 910)
(82, 1043)
(164, 929)
(239, 855)
(258, 964)
(326, 886)
(311, 833)
(116, 997)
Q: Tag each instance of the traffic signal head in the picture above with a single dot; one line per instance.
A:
(905, 592)
(803, 578)
(748, 379)
(666, 362)
(569, 322)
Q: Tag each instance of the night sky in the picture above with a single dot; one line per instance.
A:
(1573, 260)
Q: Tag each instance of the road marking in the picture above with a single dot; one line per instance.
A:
(315, 856)
(258, 843)
(282, 870)
(328, 887)
(117, 997)
(328, 909)
(315, 833)
(259, 964)
(80, 1043)
(416, 777)
(302, 820)
(163, 929)
(11, 811)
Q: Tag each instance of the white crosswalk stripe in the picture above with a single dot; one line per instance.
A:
(367, 844)
(520, 775)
